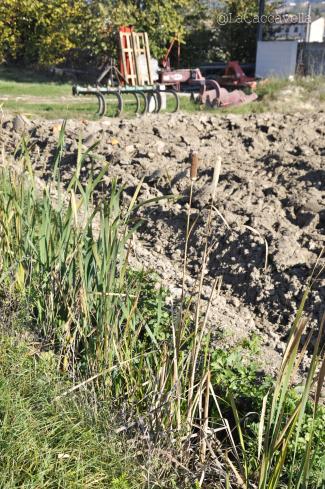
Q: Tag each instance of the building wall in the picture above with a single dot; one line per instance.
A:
(317, 30)
(276, 58)
(298, 31)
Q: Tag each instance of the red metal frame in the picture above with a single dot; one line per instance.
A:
(235, 77)
(125, 30)
(165, 62)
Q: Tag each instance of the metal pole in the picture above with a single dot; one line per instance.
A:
(308, 28)
(261, 10)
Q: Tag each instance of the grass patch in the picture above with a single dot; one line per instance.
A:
(237, 374)
(33, 89)
(271, 87)
(56, 110)
(27, 82)
(63, 444)
(310, 83)
(322, 97)
(37, 94)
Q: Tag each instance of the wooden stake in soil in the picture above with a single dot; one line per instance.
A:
(194, 165)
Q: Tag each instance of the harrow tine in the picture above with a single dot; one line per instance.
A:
(145, 103)
(101, 104)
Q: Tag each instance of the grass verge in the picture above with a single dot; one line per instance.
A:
(37, 94)
(43, 443)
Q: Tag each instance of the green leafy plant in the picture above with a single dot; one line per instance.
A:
(237, 371)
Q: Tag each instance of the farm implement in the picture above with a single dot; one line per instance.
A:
(210, 92)
(145, 98)
(151, 89)
(133, 80)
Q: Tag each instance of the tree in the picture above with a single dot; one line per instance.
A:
(161, 20)
(236, 29)
(44, 31)
(9, 28)
(68, 26)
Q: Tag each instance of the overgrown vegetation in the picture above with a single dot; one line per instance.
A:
(220, 422)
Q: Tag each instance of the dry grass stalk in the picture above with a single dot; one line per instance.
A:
(205, 419)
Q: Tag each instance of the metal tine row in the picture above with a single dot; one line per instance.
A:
(147, 100)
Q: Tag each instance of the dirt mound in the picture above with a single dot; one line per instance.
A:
(269, 216)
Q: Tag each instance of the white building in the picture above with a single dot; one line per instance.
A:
(299, 31)
(317, 30)
(211, 3)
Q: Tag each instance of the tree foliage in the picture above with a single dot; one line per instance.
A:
(235, 40)
(44, 31)
(161, 20)
(51, 31)
(47, 32)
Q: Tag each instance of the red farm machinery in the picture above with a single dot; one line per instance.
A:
(138, 75)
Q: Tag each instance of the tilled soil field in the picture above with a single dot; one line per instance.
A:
(268, 218)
